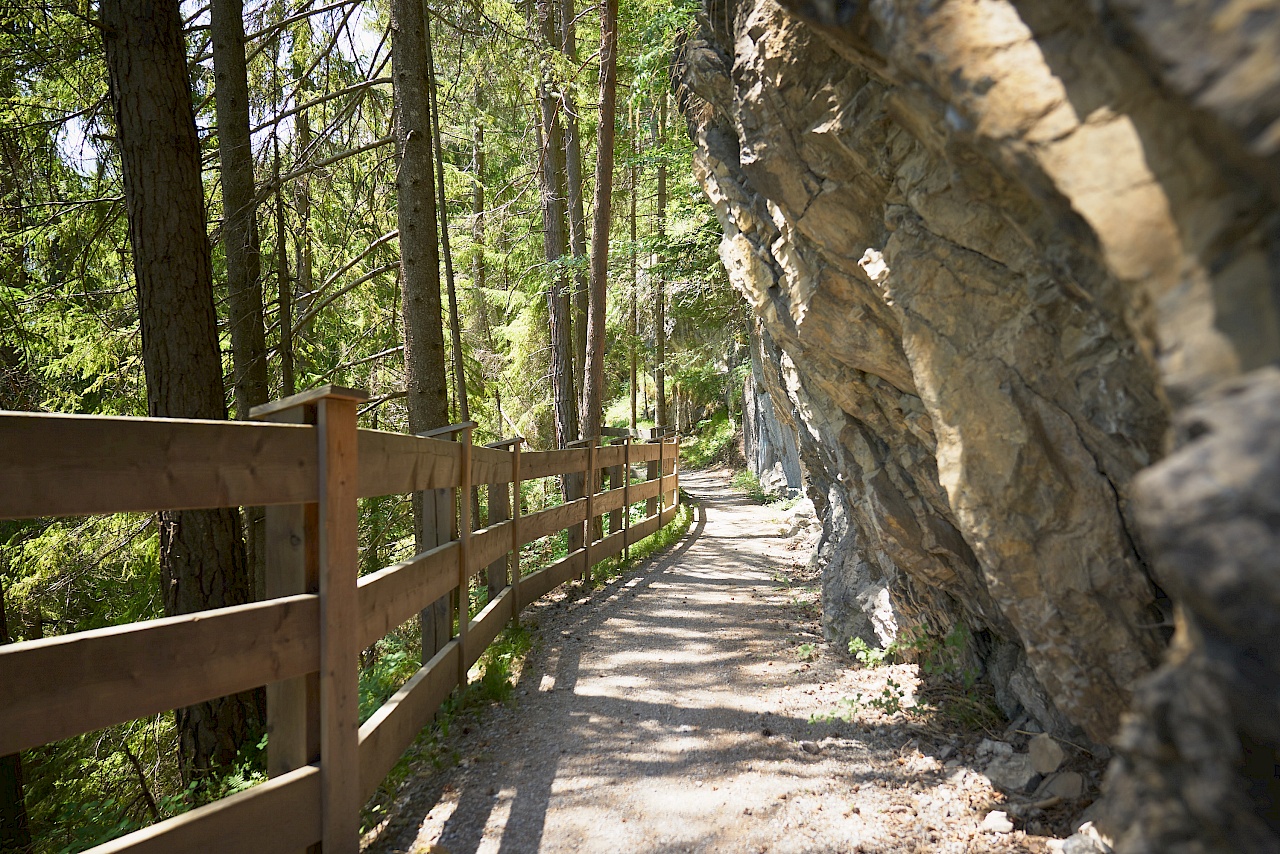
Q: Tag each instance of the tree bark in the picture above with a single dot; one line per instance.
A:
(202, 560)
(305, 264)
(659, 279)
(635, 274)
(284, 282)
(455, 324)
(240, 239)
(555, 243)
(240, 221)
(420, 281)
(593, 382)
(15, 831)
(573, 184)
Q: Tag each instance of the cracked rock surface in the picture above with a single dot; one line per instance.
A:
(994, 248)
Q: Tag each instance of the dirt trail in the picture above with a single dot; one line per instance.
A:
(670, 711)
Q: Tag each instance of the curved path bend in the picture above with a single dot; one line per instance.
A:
(670, 711)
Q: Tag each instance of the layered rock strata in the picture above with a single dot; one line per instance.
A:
(769, 441)
(992, 245)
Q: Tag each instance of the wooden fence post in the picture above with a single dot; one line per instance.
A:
(293, 566)
(662, 468)
(626, 499)
(515, 531)
(675, 474)
(340, 799)
(314, 548)
(589, 526)
(464, 556)
(499, 511)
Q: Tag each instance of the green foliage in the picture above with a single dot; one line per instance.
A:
(69, 332)
(750, 484)
(868, 656)
(712, 442)
(954, 694)
(806, 652)
(658, 541)
(498, 665)
(946, 656)
(388, 665)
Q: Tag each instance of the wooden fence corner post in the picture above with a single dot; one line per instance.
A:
(340, 799)
(464, 556)
(516, 542)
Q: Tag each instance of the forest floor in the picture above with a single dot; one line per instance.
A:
(672, 710)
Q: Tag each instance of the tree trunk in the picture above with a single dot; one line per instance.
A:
(240, 240)
(240, 226)
(305, 264)
(202, 561)
(659, 279)
(634, 327)
(573, 183)
(554, 242)
(455, 325)
(593, 382)
(420, 281)
(15, 832)
(284, 282)
(555, 245)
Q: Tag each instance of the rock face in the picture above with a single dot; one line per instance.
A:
(993, 246)
(1200, 754)
(769, 440)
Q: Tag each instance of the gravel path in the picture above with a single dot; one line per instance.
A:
(670, 711)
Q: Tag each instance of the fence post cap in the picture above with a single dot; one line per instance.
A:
(305, 397)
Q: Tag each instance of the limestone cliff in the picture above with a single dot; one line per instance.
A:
(995, 245)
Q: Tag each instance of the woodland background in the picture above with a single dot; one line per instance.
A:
(311, 263)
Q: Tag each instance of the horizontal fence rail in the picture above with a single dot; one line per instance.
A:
(306, 461)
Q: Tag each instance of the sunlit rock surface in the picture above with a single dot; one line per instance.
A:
(993, 247)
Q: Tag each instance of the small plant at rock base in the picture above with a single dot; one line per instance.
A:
(890, 699)
(806, 652)
(867, 655)
(845, 710)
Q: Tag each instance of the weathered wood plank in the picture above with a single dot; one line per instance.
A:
(393, 595)
(607, 502)
(488, 545)
(398, 721)
(463, 598)
(609, 456)
(489, 465)
(72, 465)
(643, 529)
(517, 528)
(538, 584)
(644, 490)
(608, 547)
(547, 522)
(536, 464)
(339, 626)
(392, 463)
(486, 625)
(282, 814)
(63, 686)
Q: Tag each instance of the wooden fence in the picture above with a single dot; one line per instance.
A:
(303, 642)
